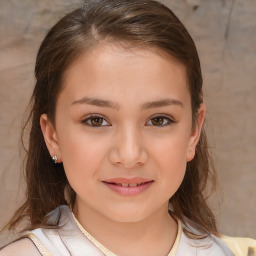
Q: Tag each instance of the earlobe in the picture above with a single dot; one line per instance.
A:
(50, 136)
(195, 134)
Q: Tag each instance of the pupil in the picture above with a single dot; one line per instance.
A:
(97, 121)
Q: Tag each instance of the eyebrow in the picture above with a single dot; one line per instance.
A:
(114, 105)
(161, 103)
(97, 102)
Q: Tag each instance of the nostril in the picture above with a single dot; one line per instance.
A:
(127, 155)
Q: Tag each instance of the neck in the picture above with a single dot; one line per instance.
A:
(152, 236)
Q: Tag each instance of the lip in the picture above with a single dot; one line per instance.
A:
(116, 185)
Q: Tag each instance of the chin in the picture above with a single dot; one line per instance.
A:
(127, 215)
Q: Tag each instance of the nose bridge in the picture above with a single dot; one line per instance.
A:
(130, 141)
(129, 147)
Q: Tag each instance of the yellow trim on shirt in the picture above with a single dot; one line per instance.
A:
(240, 246)
(106, 252)
(177, 240)
(40, 246)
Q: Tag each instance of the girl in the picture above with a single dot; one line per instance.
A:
(117, 160)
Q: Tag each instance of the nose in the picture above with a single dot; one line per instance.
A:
(128, 149)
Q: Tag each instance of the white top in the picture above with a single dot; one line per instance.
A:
(70, 239)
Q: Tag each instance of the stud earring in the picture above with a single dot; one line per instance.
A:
(55, 159)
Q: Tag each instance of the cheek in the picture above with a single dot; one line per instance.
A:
(172, 149)
(171, 160)
(81, 156)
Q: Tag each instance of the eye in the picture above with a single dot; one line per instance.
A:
(161, 121)
(95, 121)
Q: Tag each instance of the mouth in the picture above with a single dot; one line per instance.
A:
(128, 187)
(126, 184)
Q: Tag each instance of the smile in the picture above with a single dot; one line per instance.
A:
(128, 187)
(128, 184)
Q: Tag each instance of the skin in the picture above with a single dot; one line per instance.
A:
(129, 142)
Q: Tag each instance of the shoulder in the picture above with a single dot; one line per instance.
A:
(36, 242)
(240, 246)
(22, 247)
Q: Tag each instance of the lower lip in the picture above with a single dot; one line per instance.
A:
(128, 191)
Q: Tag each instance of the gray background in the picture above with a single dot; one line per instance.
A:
(225, 34)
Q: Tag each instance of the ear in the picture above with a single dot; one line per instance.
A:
(50, 136)
(195, 134)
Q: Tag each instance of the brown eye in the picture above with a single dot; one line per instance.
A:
(95, 121)
(160, 121)
(157, 120)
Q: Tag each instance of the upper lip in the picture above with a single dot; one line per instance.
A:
(121, 180)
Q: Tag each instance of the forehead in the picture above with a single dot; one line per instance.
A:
(127, 72)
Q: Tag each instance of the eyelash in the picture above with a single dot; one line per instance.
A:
(168, 120)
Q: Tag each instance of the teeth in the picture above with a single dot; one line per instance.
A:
(128, 185)
(133, 185)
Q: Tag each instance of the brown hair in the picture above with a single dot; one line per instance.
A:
(141, 23)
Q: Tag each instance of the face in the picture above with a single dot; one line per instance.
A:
(123, 131)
